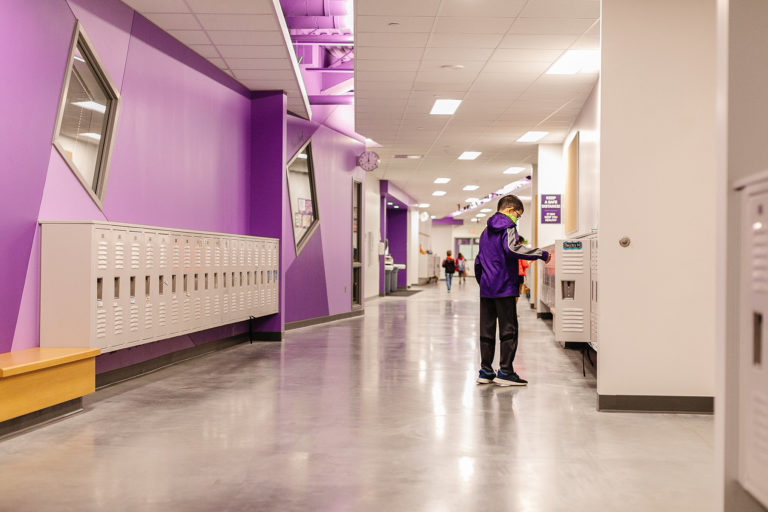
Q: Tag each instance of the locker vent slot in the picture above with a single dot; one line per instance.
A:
(760, 427)
(571, 319)
(757, 339)
(760, 261)
(119, 255)
(135, 255)
(163, 254)
(102, 254)
(572, 262)
(150, 255)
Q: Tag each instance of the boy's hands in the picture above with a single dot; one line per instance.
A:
(549, 257)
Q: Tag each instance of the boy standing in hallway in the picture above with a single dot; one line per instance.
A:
(497, 272)
(449, 264)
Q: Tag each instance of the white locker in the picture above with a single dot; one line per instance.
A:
(593, 337)
(753, 352)
(111, 286)
(572, 295)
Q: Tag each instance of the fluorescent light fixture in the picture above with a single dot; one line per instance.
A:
(576, 61)
(471, 200)
(486, 210)
(433, 217)
(524, 198)
(397, 206)
(480, 215)
(442, 181)
(532, 136)
(303, 156)
(424, 205)
(474, 220)
(390, 203)
(439, 193)
(90, 135)
(409, 157)
(445, 107)
(513, 170)
(470, 155)
(91, 105)
(757, 226)
(471, 187)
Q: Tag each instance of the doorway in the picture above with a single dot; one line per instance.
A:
(357, 245)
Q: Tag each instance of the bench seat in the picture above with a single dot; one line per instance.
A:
(36, 378)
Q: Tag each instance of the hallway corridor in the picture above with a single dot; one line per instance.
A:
(376, 413)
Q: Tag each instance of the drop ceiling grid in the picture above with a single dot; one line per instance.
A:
(488, 117)
(244, 38)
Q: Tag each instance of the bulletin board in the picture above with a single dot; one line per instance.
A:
(571, 199)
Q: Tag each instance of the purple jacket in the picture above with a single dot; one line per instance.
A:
(496, 265)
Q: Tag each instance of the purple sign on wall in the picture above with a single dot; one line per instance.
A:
(550, 208)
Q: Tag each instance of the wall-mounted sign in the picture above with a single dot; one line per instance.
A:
(550, 208)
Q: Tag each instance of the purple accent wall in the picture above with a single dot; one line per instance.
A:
(38, 58)
(397, 234)
(194, 149)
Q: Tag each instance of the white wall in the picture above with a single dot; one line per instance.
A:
(84, 155)
(587, 124)
(412, 265)
(658, 187)
(743, 122)
(550, 180)
(442, 239)
(372, 236)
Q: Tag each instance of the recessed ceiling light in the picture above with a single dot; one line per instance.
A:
(473, 220)
(439, 193)
(445, 107)
(91, 105)
(396, 206)
(480, 215)
(442, 181)
(452, 66)
(94, 136)
(576, 61)
(513, 170)
(532, 136)
(424, 205)
(486, 210)
(471, 200)
(433, 217)
(410, 157)
(470, 155)
(390, 203)
(471, 187)
(524, 198)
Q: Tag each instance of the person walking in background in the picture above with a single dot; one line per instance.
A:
(523, 268)
(498, 272)
(461, 266)
(449, 264)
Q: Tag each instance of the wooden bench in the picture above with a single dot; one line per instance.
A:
(36, 378)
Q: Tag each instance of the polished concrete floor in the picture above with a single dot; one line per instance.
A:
(377, 413)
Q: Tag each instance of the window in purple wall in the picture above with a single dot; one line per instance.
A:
(85, 124)
(301, 191)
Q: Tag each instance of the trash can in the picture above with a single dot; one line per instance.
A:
(393, 282)
(387, 279)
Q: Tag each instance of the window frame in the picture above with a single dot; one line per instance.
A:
(101, 172)
(301, 243)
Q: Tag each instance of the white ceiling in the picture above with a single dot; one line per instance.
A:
(248, 39)
(505, 48)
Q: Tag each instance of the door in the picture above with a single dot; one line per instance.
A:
(357, 245)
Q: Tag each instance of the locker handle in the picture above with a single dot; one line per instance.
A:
(99, 288)
(757, 339)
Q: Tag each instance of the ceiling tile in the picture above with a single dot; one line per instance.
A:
(386, 53)
(460, 55)
(219, 63)
(393, 24)
(190, 37)
(271, 75)
(397, 8)
(463, 25)
(383, 39)
(231, 6)
(516, 67)
(386, 65)
(548, 26)
(444, 40)
(253, 51)
(235, 63)
(562, 9)
(244, 37)
(148, 6)
(546, 42)
(173, 21)
(486, 8)
(238, 21)
(525, 55)
(386, 76)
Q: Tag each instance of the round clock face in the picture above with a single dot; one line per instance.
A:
(368, 160)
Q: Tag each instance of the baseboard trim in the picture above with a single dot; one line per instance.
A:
(298, 324)
(37, 418)
(668, 404)
(138, 369)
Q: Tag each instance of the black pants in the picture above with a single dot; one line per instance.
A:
(505, 310)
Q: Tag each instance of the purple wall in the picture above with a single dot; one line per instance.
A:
(319, 279)
(194, 149)
(397, 234)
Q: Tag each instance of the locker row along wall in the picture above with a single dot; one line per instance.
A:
(112, 285)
